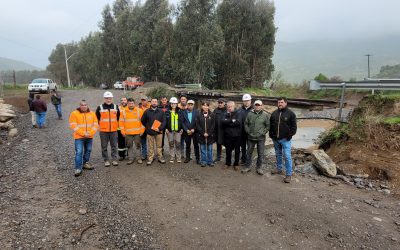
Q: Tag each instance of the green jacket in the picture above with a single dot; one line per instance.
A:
(256, 125)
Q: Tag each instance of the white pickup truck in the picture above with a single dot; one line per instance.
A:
(42, 85)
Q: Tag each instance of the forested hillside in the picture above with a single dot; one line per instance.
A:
(228, 45)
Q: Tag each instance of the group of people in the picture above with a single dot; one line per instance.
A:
(136, 132)
(38, 108)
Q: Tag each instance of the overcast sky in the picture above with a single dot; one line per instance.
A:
(29, 29)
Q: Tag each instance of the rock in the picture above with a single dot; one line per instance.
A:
(83, 211)
(339, 201)
(13, 132)
(394, 239)
(386, 191)
(377, 219)
(6, 125)
(25, 140)
(4, 117)
(324, 163)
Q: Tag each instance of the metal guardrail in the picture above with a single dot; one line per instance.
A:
(377, 84)
(369, 84)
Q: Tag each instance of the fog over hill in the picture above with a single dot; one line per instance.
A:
(10, 64)
(300, 61)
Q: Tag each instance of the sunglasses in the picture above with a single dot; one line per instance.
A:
(257, 104)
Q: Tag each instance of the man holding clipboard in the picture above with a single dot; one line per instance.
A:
(154, 121)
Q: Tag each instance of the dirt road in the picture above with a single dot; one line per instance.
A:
(173, 206)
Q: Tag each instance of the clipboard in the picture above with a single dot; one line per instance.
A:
(156, 125)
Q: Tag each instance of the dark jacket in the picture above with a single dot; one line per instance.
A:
(243, 114)
(106, 106)
(257, 125)
(232, 124)
(30, 100)
(169, 122)
(56, 100)
(282, 124)
(39, 106)
(148, 118)
(219, 133)
(164, 108)
(186, 124)
(205, 124)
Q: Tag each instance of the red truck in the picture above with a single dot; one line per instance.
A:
(133, 82)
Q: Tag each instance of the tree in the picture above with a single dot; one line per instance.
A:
(198, 42)
(321, 78)
(249, 33)
(57, 63)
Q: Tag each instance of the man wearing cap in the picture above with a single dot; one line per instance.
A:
(283, 127)
(256, 127)
(219, 114)
(243, 114)
(122, 150)
(189, 124)
(108, 116)
(153, 120)
(144, 104)
(132, 128)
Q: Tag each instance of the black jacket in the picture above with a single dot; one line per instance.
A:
(205, 125)
(232, 124)
(148, 118)
(56, 100)
(168, 120)
(106, 106)
(30, 100)
(219, 133)
(186, 124)
(282, 124)
(243, 112)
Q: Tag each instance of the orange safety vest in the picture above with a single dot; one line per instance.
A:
(129, 121)
(145, 107)
(83, 124)
(108, 119)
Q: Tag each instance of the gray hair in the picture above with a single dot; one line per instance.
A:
(230, 102)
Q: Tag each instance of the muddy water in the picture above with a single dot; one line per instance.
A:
(308, 132)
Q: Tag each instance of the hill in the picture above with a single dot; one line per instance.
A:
(304, 60)
(10, 64)
(388, 71)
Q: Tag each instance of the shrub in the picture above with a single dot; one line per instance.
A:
(159, 91)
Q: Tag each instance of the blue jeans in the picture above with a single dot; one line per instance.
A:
(83, 148)
(40, 119)
(283, 146)
(58, 109)
(206, 154)
(143, 141)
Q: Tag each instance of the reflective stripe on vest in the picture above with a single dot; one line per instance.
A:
(108, 119)
(132, 122)
(174, 121)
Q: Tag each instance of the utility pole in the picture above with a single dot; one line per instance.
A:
(66, 64)
(14, 79)
(368, 55)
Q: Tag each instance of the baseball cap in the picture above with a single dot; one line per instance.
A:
(221, 100)
(258, 102)
(190, 102)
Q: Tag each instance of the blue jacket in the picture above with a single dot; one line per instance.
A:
(189, 125)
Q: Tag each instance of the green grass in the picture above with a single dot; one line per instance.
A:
(336, 134)
(392, 120)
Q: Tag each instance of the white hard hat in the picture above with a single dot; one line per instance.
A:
(173, 100)
(246, 97)
(107, 94)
